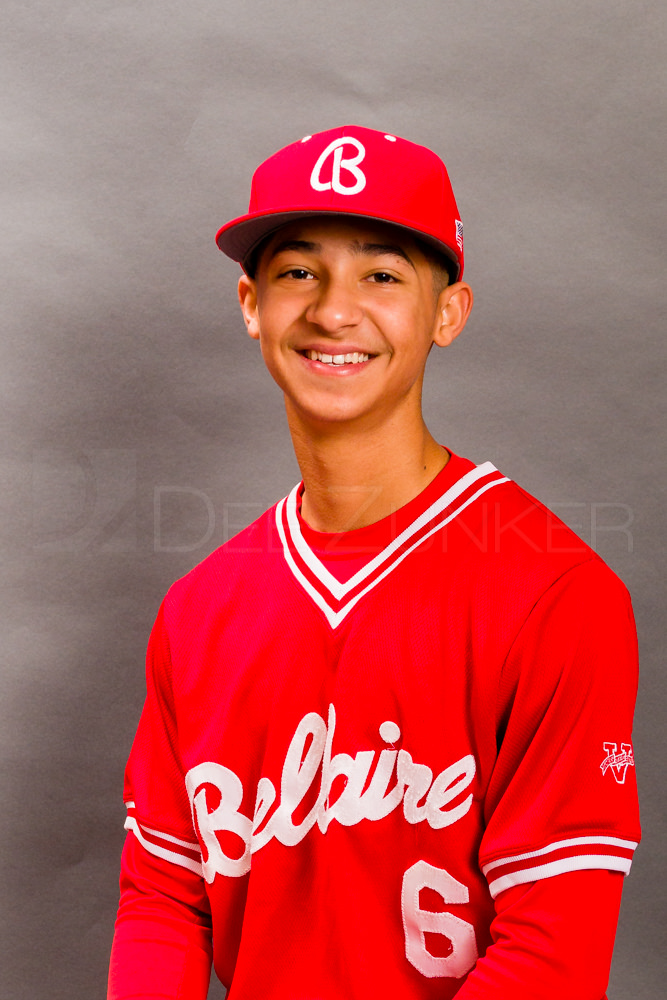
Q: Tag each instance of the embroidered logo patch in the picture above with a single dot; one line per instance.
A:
(459, 234)
(339, 163)
(617, 761)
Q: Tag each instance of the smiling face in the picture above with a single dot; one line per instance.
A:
(346, 314)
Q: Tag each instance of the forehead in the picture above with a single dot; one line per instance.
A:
(346, 231)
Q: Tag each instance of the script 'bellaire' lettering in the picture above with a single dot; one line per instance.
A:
(424, 798)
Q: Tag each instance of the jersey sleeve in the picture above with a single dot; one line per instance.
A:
(563, 794)
(162, 942)
(162, 945)
(552, 938)
(158, 809)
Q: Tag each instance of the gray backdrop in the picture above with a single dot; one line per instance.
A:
(140, 429)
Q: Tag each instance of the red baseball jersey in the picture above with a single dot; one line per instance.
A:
(357, 741)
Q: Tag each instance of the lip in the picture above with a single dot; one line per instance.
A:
(335, 349)
(322, 368)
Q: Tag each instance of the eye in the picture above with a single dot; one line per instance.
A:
(298, 273)
(382, 278)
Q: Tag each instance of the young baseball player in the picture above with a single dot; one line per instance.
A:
(386, 745)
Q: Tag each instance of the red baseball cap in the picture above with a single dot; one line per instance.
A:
(351, 171)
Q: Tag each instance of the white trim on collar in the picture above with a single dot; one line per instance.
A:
(331, 591)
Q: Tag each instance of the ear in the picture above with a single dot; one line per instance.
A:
(453, 309)
(248, 302)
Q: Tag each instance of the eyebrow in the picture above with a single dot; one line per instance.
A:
(381, 250)
(367, 249)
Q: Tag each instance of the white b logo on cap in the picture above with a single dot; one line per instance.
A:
(350, 164)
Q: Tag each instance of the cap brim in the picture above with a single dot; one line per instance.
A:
(238, 238)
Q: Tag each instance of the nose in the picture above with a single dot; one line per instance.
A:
(335, 305)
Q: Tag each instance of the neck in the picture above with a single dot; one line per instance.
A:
(355, 476)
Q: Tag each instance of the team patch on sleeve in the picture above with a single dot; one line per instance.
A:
(164, 845)
(617, 761)
(573, 854)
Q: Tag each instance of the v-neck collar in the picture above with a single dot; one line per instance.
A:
(335, 598)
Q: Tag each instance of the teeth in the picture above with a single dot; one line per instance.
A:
(338, 359)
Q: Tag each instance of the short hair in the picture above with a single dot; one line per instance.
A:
(443, 269)
(251, 261)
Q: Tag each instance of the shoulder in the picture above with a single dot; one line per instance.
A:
(522, 524)
(574, 609)
(525, 537)
(513, 556)
(241, 561)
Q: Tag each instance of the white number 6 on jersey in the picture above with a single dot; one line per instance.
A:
(416, 922)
